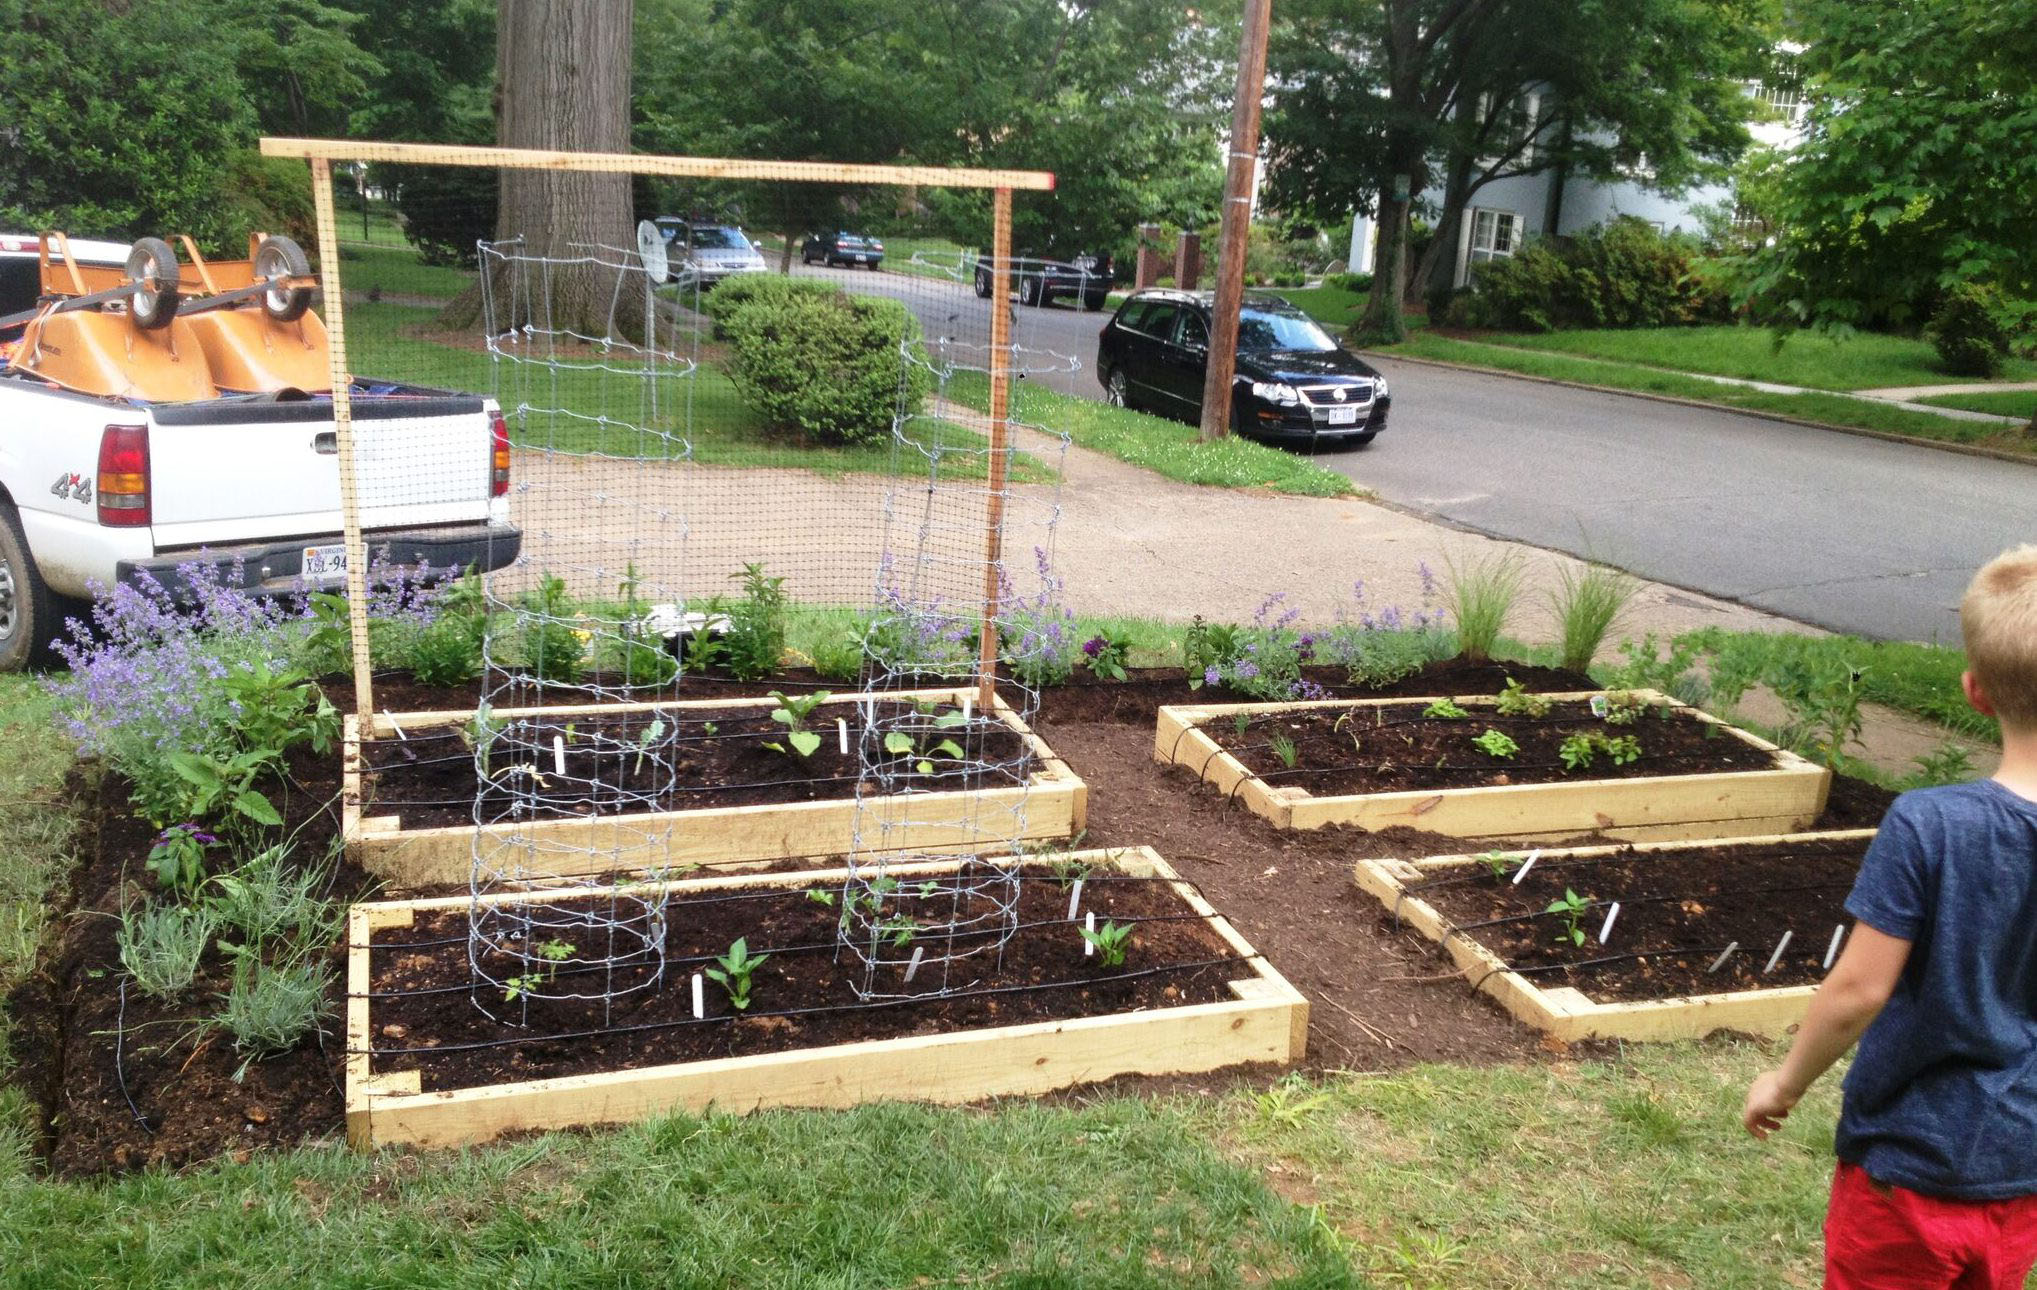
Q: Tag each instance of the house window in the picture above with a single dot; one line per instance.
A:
(1785, 101)
(1509, 126)
(1494, 234)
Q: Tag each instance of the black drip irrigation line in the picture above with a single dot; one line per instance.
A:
(513, 1041)
(119, 1064)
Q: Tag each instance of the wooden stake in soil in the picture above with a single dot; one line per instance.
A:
(1774, 958)
(1000, 433)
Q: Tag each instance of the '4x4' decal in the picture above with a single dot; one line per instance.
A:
(76, 487)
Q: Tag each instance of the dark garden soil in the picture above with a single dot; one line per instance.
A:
(665, 762)
(1678, 913)
(802, 996)
(1393, 748)
(1382, 998)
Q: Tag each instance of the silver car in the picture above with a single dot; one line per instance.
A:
(707, 253)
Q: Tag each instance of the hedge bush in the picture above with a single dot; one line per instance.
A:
(742, 288)
(824, 364)
(1967, 331)
(1360, 282)
(1623, 275)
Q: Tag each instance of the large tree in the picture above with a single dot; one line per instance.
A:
(1377, 100)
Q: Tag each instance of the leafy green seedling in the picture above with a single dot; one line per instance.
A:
(1284, 748)
(1445, 710)
(1576, 751)
(1495, 862)
(1494, 743)
(1241, 723)
(821, 896)
(1571, 909)
(1111, 941)
(652, 734)
(732, 972)
(1516, 701)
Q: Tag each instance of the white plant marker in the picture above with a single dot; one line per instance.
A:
(1089, 942)
(1607, 929)
(967, 700)
(1075, 898)
(1832, 950)
(1780, 946)
(842, 734)
(391, 719)
(1720, 961)
(912, 968)
(1526, 865)
(699, 997)
(559, 755)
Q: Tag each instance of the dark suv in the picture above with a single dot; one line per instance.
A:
(1293, 381)
(1039, 279)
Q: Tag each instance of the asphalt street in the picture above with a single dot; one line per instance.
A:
(1845, 532)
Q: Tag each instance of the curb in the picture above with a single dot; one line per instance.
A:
(1963, 449)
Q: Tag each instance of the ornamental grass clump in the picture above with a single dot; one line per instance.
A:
(1481, 594)
(1586, 603)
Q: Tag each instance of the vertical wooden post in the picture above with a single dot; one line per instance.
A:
(1236, 229)
(343, 430)
(1000, 436)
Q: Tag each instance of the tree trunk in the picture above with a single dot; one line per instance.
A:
(791, 235)
(562, 84)
(1442, 252)
(1381, 322)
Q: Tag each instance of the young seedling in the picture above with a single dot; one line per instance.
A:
(821, 896)
(1516, 701)
(1284, 748)
(792, 713)
(1571, 909)
(732, 972)
(1111, 941)
(1495, 863)
(652, 734)
(1621, 707)
(1241, 723)
(553, 953)
(900, 744)
(1494, 743)
(1444, 710)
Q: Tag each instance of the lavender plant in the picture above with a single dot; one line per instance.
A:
(1037, 632)
(1377, 647)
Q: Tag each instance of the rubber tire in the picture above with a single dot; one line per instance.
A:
(1031, 291)
(1358, 441)
(982, 284)
(806, 259)
(152, 310)
(1118, 390)
(38, 613)
(281, 255)
(1095, 304)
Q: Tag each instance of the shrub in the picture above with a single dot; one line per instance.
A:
(446, 653)
(744, 289)
(754, 642)
(1967, 331)
(161, 946)
(270, 1007)
(1620, 276)
(1360, 282)
(834, 367)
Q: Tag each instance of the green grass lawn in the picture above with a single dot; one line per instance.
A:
(2003, 403)
(1334, 307)
(396, 270)
(1832, 409)
(1169, 448)
(1863, 360)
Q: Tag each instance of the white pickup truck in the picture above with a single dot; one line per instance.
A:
(149, 421)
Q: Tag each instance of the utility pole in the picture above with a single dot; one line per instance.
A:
(1236, 229)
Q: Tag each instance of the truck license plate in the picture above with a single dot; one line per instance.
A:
(1343, 416)
(325, 563)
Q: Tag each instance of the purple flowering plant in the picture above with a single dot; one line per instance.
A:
(1037, 631)
(177, 857)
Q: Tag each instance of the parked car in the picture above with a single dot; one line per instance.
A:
(141, 434)
(706, 253)
(1039, 278)
(845, 249)
(1294, 382)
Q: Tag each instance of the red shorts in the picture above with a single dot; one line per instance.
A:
(1879, 1237)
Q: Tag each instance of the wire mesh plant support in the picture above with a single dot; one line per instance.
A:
(537, 648)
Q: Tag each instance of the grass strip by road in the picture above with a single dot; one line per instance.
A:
(1825, 409)
(1851, 361)
(1167, 448)
(703, 418)
(38, 823)
(2002, 403)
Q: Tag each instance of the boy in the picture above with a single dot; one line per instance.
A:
(1936, 1185)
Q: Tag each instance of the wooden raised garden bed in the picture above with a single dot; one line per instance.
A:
(808, 813)
(1373, 763)
(424, 1064)
(1659, 974)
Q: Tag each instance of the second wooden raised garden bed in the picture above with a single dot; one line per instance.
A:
(425, 1065)
(1372, 763)
(1030, 796)
(1696, 945)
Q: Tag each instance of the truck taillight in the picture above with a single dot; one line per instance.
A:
(124, 477)
(498, 455)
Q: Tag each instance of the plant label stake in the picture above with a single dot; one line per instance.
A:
(1780, 946)
(842, 734)
(559, 755)
(699, 997)
(967, 699)
(1089, 941)
(1832, 950)
(1075, 898)
(1607, 929)
(1526, 865)
(390, 718)
(912, 967)
(1720, 961)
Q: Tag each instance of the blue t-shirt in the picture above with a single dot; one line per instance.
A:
(1942, 1097)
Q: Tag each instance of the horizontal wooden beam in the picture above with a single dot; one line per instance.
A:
(816, 172)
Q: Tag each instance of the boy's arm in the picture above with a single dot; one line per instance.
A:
(1851, 997)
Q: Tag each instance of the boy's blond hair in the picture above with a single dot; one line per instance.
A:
(1998, 618)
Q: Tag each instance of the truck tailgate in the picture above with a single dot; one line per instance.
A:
(236, 471)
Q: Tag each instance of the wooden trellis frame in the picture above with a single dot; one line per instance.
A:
(321, 153)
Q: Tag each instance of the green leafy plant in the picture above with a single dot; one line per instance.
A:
(1444, 710)
(327, 648)
(928, 745)
(445, 653)
(161, 945)
(780, 341)
(645, 660)
(1496, 862)
(1646, 665)
(1494, 743)
(1516, 700)
(271, 1007)
(1967, 331)
(1481, 595)
(480, 734)
(267, 898)
(1822, 697)
(271, 711)
(1570, 909)
(1241, 722)
(553, 649)
(821, 896)
(837, 659)
(1207, 647)
(648, 740)
(732, 971)
(1587, 602)
(177, 857)
(1951, 762)
(1284, 748)
(1111, 941)
(1579, 750)
(792, 713)
(1106, 653)
(754, 642)
(1623, 707)
(550, 954)
(221, 788)
(1620, 749)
